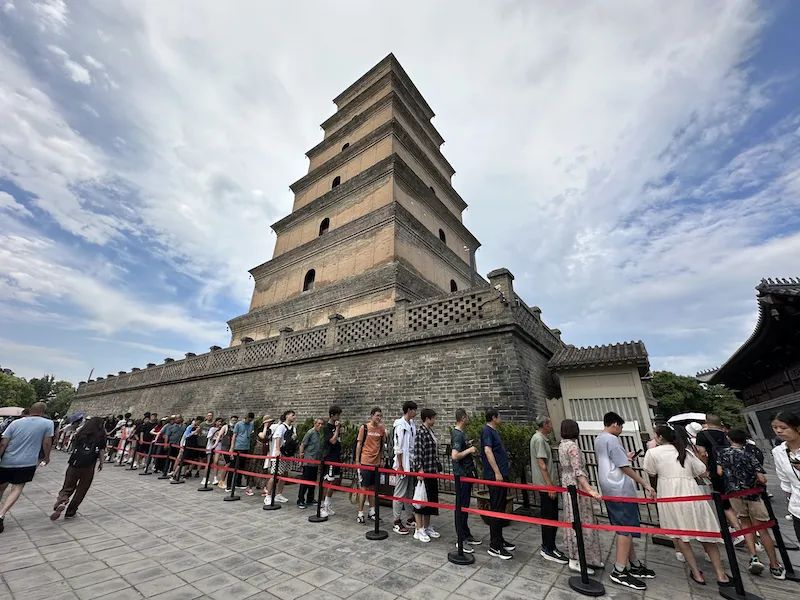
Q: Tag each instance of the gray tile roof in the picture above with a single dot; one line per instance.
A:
(780, 286)
(625, 353)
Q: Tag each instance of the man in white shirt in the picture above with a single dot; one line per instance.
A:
(404, 432)
(280, 436)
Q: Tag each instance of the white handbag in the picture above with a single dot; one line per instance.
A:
(420, 494)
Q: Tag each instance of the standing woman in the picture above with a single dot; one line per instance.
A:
(573, 472)
(676, 470)
(786, 426)
(89, 445)
(426, 460)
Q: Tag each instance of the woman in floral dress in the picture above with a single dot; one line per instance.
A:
(573, 472)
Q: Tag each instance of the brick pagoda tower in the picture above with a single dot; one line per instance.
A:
(375, 219)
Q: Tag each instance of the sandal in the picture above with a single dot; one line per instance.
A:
(697, 581)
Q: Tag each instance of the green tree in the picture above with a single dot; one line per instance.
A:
(60, 399)
(15, 391)
(677, 394)
(43, 386)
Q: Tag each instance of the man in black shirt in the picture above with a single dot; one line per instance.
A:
(331, 450)
(462, 452)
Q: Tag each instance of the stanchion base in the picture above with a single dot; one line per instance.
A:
(140, 474)
(164, 477)
(232, 498)
(794, 577)
(173, 482)
(205, 489)
(271, 507)
(460, 559)
(377, 535)
(117, 465)
(316, 519)
(590, 588)
(730, 594)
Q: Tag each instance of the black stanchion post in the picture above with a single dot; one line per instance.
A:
(582, 584)
(275, 469)
(121, 454)
(204, 487)
(737, 592)
(377, 533)
(177, 474)
(233, 497)
(165, 472)
(776, 530)
(458, 557)
(149, 459)
(318, 518)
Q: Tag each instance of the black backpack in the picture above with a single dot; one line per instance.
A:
(84, 455)
(289, 446)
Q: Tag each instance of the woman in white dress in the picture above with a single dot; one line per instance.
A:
(676, 470)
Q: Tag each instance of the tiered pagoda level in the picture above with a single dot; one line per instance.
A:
(375, 219)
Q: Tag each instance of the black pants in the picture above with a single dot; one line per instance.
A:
(306, 493)
(464, 496)
(76, 483)
(549, 511)
(497, 503)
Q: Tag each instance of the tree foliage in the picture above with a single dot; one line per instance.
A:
(15, 391)
(677, 394)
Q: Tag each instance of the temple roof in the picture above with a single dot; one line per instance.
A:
(622, 354)
(774, 343)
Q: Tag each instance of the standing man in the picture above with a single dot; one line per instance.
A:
(712, 439)
(332, 450)
(404, 431)
(617, 478)
(202, 436)
(19, 453)
(462, 453)
(284, 442)
(240, 442)
(369, 452)
(310, 448)
(173, 438)
(496, 468)
(543, 472)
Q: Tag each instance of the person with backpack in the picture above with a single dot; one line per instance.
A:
(369, 452)
(711, 440)
(89, 446)
(284, 443)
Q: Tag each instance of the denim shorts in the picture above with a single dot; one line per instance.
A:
(625, 514)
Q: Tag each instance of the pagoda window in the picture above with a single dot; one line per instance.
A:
(324, 226)
(346, 146)
(453, 286)
(336, 181)
(308, 280)
(442, 236)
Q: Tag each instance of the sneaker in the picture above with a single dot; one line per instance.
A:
(282, 499)
(473, 541)
(400, 528)
(420, 535)
(738, 541)
(227, 489)
(625, 578)
(574, 565)
(777, 572)
(361, 520)
(329, 508)
(432, 533)
(240, 487)
(412, 522)
(301, 504)
(57, 511)
(203, 481)
(554, 556)
(215, 482)
(788, 517)
(759, 547)
(641, 571)
(502, 554)
(372, 517)
(135, 465)
(323, 513)
(466, 548)
(680, 557)
(508, 546)
(267, 500)
(756, 567)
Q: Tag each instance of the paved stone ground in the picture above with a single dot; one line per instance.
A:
(140, 537)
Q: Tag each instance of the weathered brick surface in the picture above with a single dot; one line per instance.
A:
(491, 367)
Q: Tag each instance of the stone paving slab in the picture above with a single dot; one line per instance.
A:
(140, 537)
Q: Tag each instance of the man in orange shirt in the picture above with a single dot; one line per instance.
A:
(369, 451)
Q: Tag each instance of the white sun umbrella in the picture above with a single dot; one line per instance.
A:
(688, 417)
(10, 411)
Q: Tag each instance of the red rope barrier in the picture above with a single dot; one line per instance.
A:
(298, 481)
(652, 530)
(519, 486)
(253, 474)
(307, 461)
(420, 474)
(420, 502)
(756, 491)
(753, 529)
(186, 461)
(257, 456)
(513, 517)
(347, 490)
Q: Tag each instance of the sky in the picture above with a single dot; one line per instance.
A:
(635, 165)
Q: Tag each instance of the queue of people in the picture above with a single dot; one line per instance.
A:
(678, 466)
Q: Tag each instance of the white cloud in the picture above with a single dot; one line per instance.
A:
(7, 202)
(605, 131)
